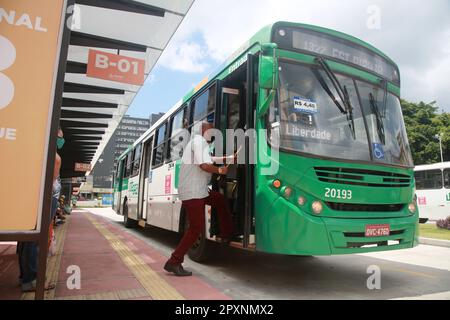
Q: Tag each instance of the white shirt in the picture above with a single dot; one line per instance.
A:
(193, 181)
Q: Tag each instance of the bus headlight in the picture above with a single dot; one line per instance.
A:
(287, 192)
(412, 207)
(317, 207)
(301, 201)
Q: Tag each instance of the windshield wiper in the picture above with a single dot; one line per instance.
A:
(385, 87)
(342, 92)
(378, 116)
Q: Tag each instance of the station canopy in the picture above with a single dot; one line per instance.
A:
(92, 108)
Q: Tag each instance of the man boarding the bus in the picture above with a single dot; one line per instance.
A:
(195, 174)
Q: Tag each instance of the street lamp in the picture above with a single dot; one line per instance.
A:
(439, 137)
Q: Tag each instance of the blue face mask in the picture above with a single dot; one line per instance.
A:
(60, 142)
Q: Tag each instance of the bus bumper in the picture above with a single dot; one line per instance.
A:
(348, 235)
(294, 232)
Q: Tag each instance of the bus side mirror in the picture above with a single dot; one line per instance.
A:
(268, 67)
(268, 74)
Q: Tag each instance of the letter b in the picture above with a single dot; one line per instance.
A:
(7, 59)
(101, 61)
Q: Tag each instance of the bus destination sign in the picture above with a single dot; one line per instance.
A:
(338, 49)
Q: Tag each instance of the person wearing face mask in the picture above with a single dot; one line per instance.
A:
(28, 251)
(56, 179)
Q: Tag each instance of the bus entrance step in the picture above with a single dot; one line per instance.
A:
(142, 223)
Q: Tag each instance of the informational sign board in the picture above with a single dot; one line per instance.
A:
(30, 41)
(107, 200)
(115, 67)
(82, 167)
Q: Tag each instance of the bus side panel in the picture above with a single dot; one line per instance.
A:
(160, 196)
(123, 194)
(176, 212)
(133, 192)
(117, 202)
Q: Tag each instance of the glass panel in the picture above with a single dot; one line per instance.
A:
(129, 164)
(205, 104)
(447, 178)
(233, 111)
(385, 124)
(137, 160)
(161, 134)
(431, 179)
(158, 155)
(148, 153)
(177, 122)
(310, 122)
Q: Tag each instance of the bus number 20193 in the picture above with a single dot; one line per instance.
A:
(338, 194)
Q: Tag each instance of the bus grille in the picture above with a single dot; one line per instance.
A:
(361, 177)
(365, 207)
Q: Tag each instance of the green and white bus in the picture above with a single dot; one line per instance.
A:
(345, 182)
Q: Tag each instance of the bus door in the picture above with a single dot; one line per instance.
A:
(143, 180)
(232, 119)
(118, 186)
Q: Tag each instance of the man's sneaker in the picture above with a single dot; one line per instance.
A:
(177, 269)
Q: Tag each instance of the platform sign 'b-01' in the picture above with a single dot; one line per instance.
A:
(113, 67)
(30, 46)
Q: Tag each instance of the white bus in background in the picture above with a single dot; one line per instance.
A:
(433, 190)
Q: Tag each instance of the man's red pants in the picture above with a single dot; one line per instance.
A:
(195, 210)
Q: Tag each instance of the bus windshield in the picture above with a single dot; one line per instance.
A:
(311, 121)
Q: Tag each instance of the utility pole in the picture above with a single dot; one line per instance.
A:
(439, 136)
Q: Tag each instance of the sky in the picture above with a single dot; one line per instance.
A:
(413, 33)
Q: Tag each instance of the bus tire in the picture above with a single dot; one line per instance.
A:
(199, 250)
(129, 223)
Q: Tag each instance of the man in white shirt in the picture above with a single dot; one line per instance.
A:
(195, 175)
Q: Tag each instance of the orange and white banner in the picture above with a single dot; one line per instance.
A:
(30, 32)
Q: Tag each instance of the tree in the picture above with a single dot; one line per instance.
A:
(423, 123)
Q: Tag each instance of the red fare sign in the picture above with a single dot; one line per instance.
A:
(168, 184)
(378, 230)
(117, 68)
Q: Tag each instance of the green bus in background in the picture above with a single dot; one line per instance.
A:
(344, 180)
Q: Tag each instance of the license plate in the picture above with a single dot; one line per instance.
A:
(378, 230)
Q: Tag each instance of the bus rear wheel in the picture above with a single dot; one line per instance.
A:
(129, 223)
(199, 250)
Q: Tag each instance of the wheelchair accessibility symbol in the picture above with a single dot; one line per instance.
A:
(378, 151)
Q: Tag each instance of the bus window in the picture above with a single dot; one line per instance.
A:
(178, 124)
(158, 151)
(129, 164)
(447, 178)
(120, 171)
(147, 154)
(431, 179)
(205, 104)
(233, 111)
(136, 160)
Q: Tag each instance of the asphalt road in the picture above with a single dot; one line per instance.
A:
(420, 273)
